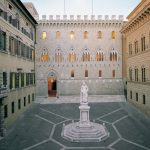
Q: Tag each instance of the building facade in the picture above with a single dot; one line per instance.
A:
(73, 49)
(17, 65)
(136, 56)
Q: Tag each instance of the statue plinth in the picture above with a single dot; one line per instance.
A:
(84, 130)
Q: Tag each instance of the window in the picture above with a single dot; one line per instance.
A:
(19, 103)
(5, 79)
(2, 40)
(16, 80)
(99, 56)
(72, 35)
(22, 79)
(143, 74)
(86, 73)
(130, 94)
(86, 56)
(58, 34)
(130, 74)
(85, 35)
(130, 49)
(144, 99)
(72, 57)
(113, 73)
(99, 34)
(28, 99)
(44, 35)
(113, 35)
(136, 46)
(143, 46)
(136, 96)
(44, 57)
(32, 96)
(12, 80)
(12, 45)
(24, 101)
(113, 56)
(100, 73)
(58, 57)
(5, 111)
(12, 107)
(72, 73)
(136, 74)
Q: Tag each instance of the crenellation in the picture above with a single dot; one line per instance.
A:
(84, 18)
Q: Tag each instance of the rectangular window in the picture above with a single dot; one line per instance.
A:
(24, 101)
(136, 47)
(86, 73)
(5, 79)
(100, 74)
(137, 97)
(32, 96)
(22, 79)
(12, 107)
(130, 94)
(5, 111)
(72, 73)
(113, 73)
(11, 80)
(2, 40)
(19, 103)
(28, 99)
(144, 99)
(16, 80)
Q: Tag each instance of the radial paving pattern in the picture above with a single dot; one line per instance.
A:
(40, 128)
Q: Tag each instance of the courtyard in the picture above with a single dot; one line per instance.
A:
(40, 127)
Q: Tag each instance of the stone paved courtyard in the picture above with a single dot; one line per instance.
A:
(40, 128)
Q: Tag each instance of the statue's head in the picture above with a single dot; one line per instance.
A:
(83, 82)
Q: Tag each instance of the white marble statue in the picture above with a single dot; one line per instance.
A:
(84, 94)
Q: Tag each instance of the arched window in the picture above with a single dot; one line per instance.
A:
(58, 34)
(44, 57)
(113, 34)
(72, 57)
(99, 34)
(85, 35)
(99, 56)
(72, 73)
(58, 56)
(44, 35)
(113, 73)
(72, 35)
(100, 73)
(86, 56)
(113, 56)
(86, 73)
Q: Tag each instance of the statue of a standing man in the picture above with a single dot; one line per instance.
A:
(84, 93)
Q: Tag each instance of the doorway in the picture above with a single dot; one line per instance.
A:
(52, 86)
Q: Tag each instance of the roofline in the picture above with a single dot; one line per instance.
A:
(23, 9)
(135, 9)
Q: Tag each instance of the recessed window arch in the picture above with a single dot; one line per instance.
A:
(130, 74)
(58, 34)
(86, 56)
(113, 34)
(99, 34)
(44, 56)
(72, 57)
(58, 56)
(85, 35)
(72, 35)
(44, 35)
(113, 56)
(99, 56)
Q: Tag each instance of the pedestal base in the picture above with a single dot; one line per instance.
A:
(90, 133)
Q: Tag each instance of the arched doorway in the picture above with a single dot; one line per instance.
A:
(52, 85)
